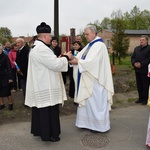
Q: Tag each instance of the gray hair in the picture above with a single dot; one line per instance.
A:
(146, 37)
(91, 27)
(20, 39)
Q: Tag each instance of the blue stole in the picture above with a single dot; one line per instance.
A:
(83, 57)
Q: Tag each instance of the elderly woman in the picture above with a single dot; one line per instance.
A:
(5, 80)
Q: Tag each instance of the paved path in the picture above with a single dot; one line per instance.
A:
(128, 132)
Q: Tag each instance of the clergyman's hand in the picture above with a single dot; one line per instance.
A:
(69, 54)
(73, 61)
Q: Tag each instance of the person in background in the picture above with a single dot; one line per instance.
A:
(54, 46)
(79, 38)
(7, 48)
(22, 63)
(12, 57)
(31, 44)
(5, 80)
(45, 88)
(57, 51)
(76, 47)
(140, 60)
(93, 83)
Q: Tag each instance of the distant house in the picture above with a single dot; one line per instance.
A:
(133, 35)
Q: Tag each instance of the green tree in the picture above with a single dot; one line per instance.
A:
(106, 23)
(127, 18)
(145, 15)
(5, 35)
(120, 43)
(137, 20)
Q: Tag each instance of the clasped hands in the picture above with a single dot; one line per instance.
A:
(72, 60)
(137, 65)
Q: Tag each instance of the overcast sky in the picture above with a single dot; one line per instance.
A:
(22, 16)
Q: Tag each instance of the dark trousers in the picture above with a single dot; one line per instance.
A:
(64, 74)
(71, 88)
(14, 77)
(142, 81)
(19, 83)
(72, 84)
(23, 86)
(45, 122)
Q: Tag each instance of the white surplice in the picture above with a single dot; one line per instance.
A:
(95, 90)
(148, 126)
(45, 85)
(148, 133)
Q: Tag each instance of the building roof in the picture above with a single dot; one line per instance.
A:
(147, 32)
(134, 32)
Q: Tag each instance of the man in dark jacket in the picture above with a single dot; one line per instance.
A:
(22, 62)
(140, 60)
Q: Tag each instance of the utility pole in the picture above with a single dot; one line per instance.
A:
(72, 33)
(56, 18)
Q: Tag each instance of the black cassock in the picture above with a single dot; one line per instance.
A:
(45, 122)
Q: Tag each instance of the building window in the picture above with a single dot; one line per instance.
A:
(108, 43)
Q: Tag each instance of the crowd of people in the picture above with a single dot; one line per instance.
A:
(40, 72)
(13, 70)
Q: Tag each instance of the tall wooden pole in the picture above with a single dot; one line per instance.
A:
(72, 34)
(56, 18)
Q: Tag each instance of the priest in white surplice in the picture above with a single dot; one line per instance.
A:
(45, 88)
(93, 83)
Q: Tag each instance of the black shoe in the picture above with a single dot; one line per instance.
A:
(144, 103)
(138, 101)
(2, 106)
(10, 106)
(76, 104)
(54, 139)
